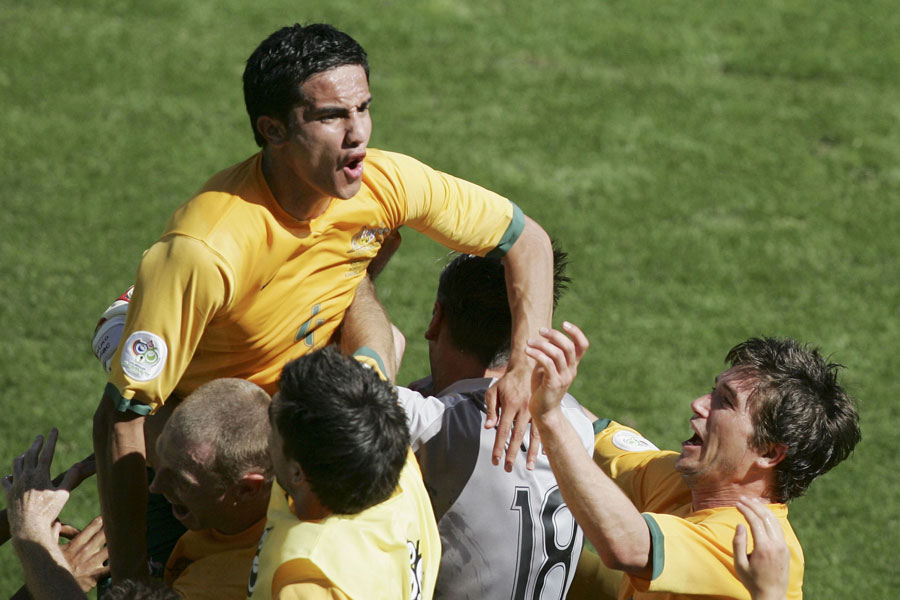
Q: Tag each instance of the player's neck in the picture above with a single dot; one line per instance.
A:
(464, 369)
(308, 508)
(704, 497)
(296, 199)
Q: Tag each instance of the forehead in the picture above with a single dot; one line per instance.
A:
(739, 381)
(344, 84)
(176, 454)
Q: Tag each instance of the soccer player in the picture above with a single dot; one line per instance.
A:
(259, 267)
(502, 535)
(775, 420)
(213, 465)
(350, 517)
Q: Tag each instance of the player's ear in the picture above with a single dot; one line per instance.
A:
(771, 456)
(249, 486)
(434, 327)
(273, 130)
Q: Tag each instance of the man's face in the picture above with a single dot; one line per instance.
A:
(183, 476)
(328, 131)
(720, 451)
(281, 465)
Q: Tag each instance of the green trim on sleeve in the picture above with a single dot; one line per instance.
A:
(657, 542)
(123, 405)
(601, 424)
(366, 352)
(511, 235)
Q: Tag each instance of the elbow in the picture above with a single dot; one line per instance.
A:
(629, 562)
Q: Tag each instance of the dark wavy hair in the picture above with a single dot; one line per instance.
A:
(343, 424)
(284, 60)
(798, 402)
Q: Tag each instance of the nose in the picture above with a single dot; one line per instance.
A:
(359, 128)
(700, 405)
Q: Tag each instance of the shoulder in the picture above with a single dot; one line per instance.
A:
(229, 204)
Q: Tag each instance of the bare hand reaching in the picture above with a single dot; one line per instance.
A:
(766, 571)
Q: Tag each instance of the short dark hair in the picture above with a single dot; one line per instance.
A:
(343, 424)
(473, 299)
(797, 402)
(287, 58)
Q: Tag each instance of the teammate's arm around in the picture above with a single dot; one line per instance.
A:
(529, 282)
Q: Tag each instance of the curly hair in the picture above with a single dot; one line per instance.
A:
(797, 402)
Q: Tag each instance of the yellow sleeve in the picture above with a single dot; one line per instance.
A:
(455, 213)
(181, 284)
(692, 558)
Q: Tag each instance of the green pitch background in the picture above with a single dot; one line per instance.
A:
(716, 171)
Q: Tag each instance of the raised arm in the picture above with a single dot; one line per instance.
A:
(609, 519)
(366, 325)
(122, 482)
(34, 503)
(529, 283)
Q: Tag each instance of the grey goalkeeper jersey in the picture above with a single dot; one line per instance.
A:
(503, 535)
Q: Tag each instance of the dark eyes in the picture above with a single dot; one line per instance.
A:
(725, 401)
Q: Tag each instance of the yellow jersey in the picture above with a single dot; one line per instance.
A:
(236, 287)
(390, 551)
(209, 565)
(692, 552)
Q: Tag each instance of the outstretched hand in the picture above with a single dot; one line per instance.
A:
(557, 355)
(33, 500)
(88, 555)
(766, 571)
(510, 396)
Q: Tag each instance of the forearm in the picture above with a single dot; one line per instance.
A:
(122, 484)
(609, 519)
(529, 283)
(366, 323)
(47, 574)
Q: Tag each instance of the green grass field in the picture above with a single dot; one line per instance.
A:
(715, 170)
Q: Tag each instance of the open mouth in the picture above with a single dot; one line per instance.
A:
(354, 168)
(180, 511)
(694, 441)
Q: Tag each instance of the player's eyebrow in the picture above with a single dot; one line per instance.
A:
(338, 110)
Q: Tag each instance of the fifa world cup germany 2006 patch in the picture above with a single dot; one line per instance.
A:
(144, 356)
(632, 442)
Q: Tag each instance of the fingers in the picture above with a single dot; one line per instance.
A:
(70, 479)
(578, 338)
(490, 401)
(6, 482)
(533, 447)
(762, 521)
(740, 549)
(46, 457)
(503, 429)
(521, 425)
(92, 537)
(68, 531)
